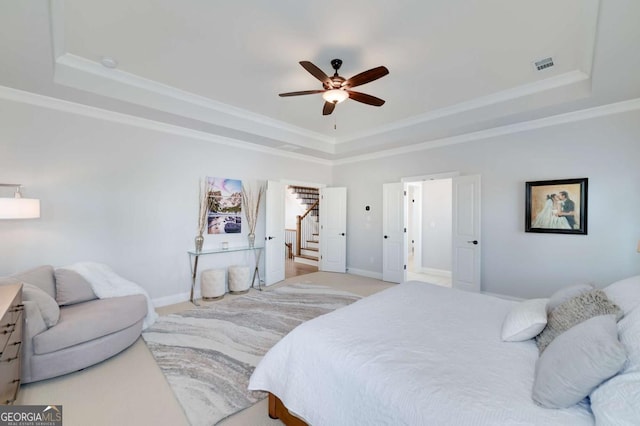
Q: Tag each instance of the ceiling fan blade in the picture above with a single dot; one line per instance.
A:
(304, 92)
(366, 77)
(365, 99)
(316, 72)
(328, 108)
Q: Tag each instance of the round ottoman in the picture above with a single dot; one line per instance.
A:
(239, 279)
(212, 285)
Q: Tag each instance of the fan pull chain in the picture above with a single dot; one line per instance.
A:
(335, 119)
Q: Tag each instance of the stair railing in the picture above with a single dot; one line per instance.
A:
(290, 240)
(304, 228)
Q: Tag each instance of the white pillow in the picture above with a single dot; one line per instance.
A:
(625, 293)
(629, 334)
(48, 307)
(617, 401)
(525, 320)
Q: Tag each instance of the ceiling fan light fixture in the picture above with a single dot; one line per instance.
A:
(335, 96)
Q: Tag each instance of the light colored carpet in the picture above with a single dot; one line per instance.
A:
(208, 354)
(130, 390)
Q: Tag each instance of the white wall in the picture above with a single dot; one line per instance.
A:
(127, 196)
(436, 224)
(119, 194)
(605, 149)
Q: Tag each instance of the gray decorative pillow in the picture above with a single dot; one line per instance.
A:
(565, 294)
(574, 311)
(577, 362)
(48, 307)
(41, 277)
(72, 288)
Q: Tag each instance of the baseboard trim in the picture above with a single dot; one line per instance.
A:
(365, 273)
(437, 272)
(173, 299)
(503, 296)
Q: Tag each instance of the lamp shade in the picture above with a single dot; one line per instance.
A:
(19, 208)
(335, 95)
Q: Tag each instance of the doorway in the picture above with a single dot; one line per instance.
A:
(465, 230)
(331, 238)
(301, 217)
(429, 231)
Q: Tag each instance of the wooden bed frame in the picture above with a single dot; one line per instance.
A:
(277, 410)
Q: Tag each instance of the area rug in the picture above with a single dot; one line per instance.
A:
(208, 354)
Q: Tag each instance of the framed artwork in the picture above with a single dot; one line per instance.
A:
(225, 201)
(556, 206)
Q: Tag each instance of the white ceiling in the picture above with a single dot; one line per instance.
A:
(456, 67)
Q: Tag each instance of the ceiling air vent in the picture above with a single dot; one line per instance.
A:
(543, 64)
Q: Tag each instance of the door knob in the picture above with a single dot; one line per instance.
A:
(474, 242)
(271, 238)
(386, 236)
(342, 233)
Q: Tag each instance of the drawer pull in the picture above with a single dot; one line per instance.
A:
(9, 359)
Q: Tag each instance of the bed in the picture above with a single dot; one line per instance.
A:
(414, 354)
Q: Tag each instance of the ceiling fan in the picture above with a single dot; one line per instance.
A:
(337, 89)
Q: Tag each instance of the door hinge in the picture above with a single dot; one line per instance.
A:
(405, 230)
(405, 193)
(405, 267)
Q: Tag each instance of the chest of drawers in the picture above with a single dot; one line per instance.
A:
(11, 323)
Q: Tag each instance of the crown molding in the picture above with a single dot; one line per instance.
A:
(555, 120)
(43, 101)
(81, 73)
(566, 79)
(21, 96)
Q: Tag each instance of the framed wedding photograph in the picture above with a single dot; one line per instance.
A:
(556, 206)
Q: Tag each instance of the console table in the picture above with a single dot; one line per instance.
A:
(193, 264)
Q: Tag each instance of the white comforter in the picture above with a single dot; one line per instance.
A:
(414, 354)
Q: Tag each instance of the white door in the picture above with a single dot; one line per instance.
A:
(274, 233)
(393, 243)
(333, 229)
(466, 233)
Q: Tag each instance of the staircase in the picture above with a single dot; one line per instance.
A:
(307, 247)
(309, 252)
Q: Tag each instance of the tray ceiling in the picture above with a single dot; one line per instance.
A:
(456, 67)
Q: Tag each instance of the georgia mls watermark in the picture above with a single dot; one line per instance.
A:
(30, 415)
